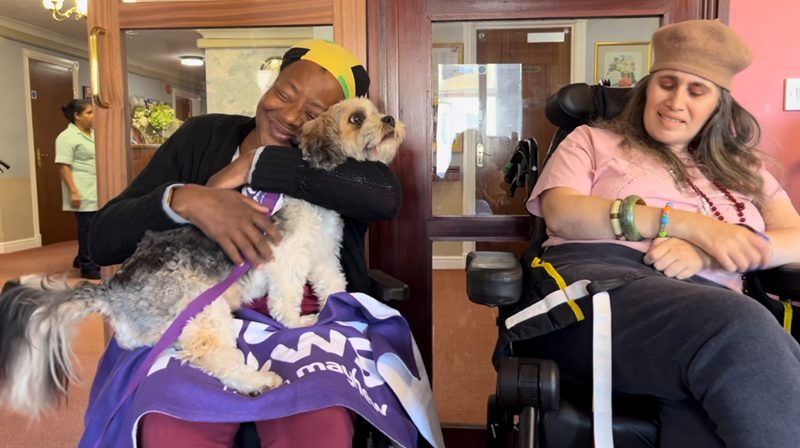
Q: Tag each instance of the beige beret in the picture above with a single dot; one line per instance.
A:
(705, 48)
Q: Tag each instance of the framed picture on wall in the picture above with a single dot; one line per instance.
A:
(623, 64)
(87, 92)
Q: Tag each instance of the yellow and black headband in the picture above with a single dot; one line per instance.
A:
(337, 60)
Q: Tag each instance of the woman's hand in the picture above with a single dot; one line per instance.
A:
(677, 258)
(734, 248)
(75, 199)
(236, 174)
(237, 223)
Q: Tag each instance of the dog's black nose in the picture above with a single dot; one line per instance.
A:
(388, 120)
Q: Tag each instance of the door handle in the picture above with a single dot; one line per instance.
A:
(94, 66)
(39, 156)
(479, 154)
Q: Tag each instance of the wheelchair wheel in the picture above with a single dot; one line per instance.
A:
(499, 424)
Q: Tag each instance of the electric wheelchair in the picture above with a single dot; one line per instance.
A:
(532, 407)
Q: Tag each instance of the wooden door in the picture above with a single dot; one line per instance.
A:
(401, 40)
(51, 87)
(183, 108)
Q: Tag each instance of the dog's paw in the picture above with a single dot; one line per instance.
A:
(271, 380)
(253, 382)
(326, 164)
(324, 158)
(308, 320)
(299, 321)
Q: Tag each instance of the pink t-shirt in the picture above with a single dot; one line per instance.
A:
(591, 161)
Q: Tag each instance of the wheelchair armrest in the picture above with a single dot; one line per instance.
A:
(386, 288)
(493, 278)
(783, 281)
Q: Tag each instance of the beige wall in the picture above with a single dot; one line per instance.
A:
(447, 201)
(16, 212)
(233, 61)
(231, 85)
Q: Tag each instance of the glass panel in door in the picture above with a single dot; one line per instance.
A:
(489, 93)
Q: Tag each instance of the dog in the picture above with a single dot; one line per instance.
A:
(171, 268)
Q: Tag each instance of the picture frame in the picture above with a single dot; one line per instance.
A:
(622, 63)
(87, 92)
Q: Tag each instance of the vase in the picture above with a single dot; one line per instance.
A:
(154, 138)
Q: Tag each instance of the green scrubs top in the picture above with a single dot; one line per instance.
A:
(76, 149)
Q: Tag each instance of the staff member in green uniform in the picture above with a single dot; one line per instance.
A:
(76, 160)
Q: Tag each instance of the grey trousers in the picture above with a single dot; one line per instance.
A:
(723, 370)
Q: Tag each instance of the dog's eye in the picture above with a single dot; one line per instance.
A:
(357, 119)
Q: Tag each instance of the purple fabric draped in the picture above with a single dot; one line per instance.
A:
(334, 363)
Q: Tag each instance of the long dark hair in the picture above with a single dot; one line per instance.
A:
(75, 107)
(724, 149)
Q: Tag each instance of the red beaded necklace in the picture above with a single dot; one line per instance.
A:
(737, 204)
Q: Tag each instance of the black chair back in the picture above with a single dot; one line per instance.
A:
(577, 104)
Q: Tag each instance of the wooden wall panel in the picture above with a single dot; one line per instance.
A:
(354, 36)
(400, 32)
(110, 124)
(671, 10)
(225, 13)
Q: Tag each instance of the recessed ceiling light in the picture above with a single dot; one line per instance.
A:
(191, 61)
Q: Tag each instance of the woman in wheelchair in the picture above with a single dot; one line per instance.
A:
(674, 194)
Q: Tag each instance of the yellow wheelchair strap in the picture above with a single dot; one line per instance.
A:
(562, 285)
(787, 316)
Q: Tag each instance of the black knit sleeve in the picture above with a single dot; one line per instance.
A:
(364, 191)
(121, 223)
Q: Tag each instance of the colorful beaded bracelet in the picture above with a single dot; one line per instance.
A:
(662, 229)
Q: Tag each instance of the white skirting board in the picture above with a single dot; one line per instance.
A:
(7, 247)
(449, 262)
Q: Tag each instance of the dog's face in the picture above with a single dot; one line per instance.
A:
(351, 128)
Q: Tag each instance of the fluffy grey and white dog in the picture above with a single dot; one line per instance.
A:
(169, 269)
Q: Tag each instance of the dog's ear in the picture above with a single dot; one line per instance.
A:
(320, 143)
(9, 285)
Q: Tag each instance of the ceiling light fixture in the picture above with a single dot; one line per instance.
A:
(191, 61)
(77, 12)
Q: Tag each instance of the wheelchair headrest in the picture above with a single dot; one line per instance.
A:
(577, 104)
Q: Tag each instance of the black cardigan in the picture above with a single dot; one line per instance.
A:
(362, 192)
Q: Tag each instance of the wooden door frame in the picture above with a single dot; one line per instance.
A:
(27, 55)
(112, 133)
(400, 48)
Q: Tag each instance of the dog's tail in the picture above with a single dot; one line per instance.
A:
(36, 324)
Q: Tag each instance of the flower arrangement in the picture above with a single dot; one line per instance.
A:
(152, 120)
(622, 68)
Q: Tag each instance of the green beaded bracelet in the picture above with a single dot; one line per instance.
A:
(626, 217)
